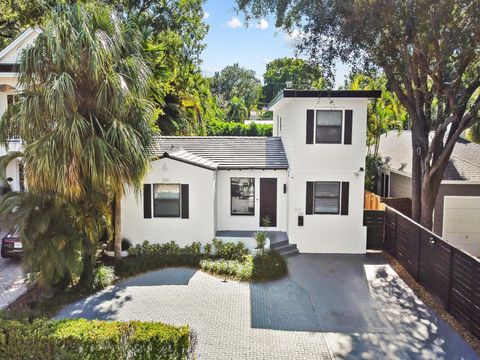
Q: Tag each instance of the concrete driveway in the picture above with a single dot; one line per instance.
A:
(330, 306)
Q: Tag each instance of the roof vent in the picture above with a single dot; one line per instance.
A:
(289, 84)
(386, 159)
(402, 165)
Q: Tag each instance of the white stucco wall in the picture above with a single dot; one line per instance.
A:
(324, 162)
(200, 224)
(226, 221)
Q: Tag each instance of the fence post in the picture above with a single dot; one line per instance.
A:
(419, 237)
(450, 275)
(395, 237)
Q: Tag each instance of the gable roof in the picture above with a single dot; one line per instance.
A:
(223, 152)
(17, 43)
(292, 93)
(464, 163)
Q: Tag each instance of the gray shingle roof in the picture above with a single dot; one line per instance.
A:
(464, 163)
(224, 152)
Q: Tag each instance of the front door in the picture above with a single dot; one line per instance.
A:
(268, 201)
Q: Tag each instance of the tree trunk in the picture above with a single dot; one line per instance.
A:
(416, 177)
(89, 259)
(117, 242)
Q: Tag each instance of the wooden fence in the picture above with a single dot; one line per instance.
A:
(372, 201)
(451, 275)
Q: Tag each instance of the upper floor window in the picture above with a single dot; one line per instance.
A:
(328, 128)
(242, 196)
(166, 200)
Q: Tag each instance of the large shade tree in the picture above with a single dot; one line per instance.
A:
(83, 114)
(429, 50)
(301, 73)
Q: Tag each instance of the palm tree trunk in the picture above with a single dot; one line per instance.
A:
(117, 227)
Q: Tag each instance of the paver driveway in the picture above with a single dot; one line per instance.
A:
(11, 281)
(330, 306)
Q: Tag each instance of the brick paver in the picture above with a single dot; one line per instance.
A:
(330, 306)
(11, 281)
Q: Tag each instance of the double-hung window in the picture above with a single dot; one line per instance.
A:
(242, 196)
(326, 197)
(328, 127)
(166, 200)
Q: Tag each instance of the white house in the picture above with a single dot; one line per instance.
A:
(308, 180)
(8, 89)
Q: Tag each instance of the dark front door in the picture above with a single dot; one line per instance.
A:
(268, 201)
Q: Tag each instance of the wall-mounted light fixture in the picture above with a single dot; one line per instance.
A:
(359, 171)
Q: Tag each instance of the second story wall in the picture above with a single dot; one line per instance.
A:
(322, 134)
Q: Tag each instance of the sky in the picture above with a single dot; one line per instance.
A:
(231, 40)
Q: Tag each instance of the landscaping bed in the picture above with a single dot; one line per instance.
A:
(83, 339)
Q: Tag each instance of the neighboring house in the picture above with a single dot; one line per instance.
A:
(308, 180)
(8, 89)
(457, 208)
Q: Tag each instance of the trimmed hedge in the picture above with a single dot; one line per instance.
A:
(223, 128)
(82, 339)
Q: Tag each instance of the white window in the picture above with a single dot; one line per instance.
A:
(328, 127)
(326, 197)
(166, 200)
(242, 196)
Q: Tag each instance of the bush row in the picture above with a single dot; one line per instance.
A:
(230, 259)
(223, 128)
(83, 339)
(268, 265)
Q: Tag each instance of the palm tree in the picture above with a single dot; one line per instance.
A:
(237, 110)
(83, 114)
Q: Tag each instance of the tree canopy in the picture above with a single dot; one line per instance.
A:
(429, 51)
(301, 73)
(236, 81)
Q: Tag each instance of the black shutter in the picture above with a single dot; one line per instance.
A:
(347, 135)
(185, 202)
(309, 202)
(345, 195)
(147, 201)
(310, 126)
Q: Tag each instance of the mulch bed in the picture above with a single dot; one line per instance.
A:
(432, 303)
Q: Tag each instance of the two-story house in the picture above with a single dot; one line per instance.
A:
(304, 185)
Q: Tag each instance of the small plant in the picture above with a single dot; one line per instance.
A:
(103, 276)
(207, 249)
(261, 239)
(266, 221)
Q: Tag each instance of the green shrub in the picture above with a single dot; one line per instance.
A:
(83, 339)
(229, 250)
(103, 276)
(261, 267)
(261, 239)
(126, 244)
(222, 128)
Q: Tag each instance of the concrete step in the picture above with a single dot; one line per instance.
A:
(278, 244)
(290, 253)
(287, 249)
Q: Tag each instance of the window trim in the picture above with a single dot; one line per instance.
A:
(342, 127)
(339, 198)
(254, 195)
(179, 203)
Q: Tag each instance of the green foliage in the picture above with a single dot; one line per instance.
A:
(221, 128)
(473, 133)
(236, 110)
(372, 164)
(236, 81)
(126, 244)
(229, 250)
(103, 276)
(261, 239)
(384, 114)
(302, 74)
(261, 267)
(266, 115)
(83, 339)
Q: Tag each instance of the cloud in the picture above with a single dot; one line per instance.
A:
(206, 15)
(262, 25)
(234, 23)
(294, 36)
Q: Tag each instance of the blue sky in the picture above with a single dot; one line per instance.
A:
(229, 40)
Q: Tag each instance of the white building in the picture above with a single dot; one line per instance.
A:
(308, 179)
